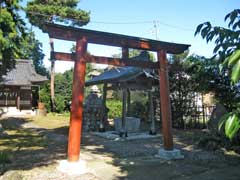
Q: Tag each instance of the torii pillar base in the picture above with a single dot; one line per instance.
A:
(169, 154)
(73, 168)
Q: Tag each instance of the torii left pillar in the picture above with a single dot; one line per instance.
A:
(75, 129)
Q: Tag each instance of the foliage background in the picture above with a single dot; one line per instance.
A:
(227, 51)
(16, 40)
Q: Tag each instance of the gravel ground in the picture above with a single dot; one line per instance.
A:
(116, 160)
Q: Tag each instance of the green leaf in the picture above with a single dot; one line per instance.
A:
(225, 62)
(234, 57)
(236, 25)
(222, 120)
(210, 36)
(198, 29)
(232, 126)
(206, 30)
(236, 72)
(227, 16)
(217, 47)
(233, 16)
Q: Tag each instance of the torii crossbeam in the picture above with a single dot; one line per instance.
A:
(82, 37)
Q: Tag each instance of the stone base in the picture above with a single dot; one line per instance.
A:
(169, 155)
(72, 168)
(132, 124)
(114, 135)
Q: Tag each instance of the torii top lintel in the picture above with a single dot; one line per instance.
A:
(111, 39)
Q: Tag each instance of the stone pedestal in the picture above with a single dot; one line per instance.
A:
(72, 168)
(132, 124)
(169, 155)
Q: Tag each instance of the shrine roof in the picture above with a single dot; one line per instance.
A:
(23, 74)
(124, 74)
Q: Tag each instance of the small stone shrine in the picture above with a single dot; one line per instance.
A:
(93, 115)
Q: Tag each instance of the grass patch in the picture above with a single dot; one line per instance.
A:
(51, 121)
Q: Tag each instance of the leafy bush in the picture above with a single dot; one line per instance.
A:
(45, 96)
(138, 107)
(60, 103)
(115, 108)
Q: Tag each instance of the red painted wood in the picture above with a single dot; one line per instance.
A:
(63, 56)
(165, 101)
(106, 60)
(122, 62)
(75, 129)
(112, 39)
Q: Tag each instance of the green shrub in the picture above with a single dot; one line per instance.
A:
(138, 109)
(115, 108)
(60, 103)
(45, 96)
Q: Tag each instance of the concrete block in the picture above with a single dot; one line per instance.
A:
(72, 168)
(132, 124)
(169, 155)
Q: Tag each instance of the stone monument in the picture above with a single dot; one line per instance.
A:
(216, 115)
(132, 124)
(93, 114)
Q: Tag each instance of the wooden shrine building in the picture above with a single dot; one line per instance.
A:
(16, 88)
(82, 37)
(128, 79)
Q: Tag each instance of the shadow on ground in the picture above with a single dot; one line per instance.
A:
(29, 147)
(32, 147)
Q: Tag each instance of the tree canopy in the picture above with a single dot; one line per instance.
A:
(12, 34)
(227, 41)
(227, 49)
(32, 49)
(16, 40)
(41, 11)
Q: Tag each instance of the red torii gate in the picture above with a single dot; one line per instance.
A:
(82, 38)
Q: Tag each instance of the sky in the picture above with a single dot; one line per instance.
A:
(165, 20)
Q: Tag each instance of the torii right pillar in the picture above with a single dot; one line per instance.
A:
(168, 151)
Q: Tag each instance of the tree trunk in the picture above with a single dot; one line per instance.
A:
(53, 106)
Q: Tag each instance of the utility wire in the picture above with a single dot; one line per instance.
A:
(129, 22)
(175, 27)
(124, 22)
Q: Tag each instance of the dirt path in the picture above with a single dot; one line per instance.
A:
(115, 160)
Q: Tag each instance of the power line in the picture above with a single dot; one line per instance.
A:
(176, 27)
(156, 22)
(129, 22)
(145, 22)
